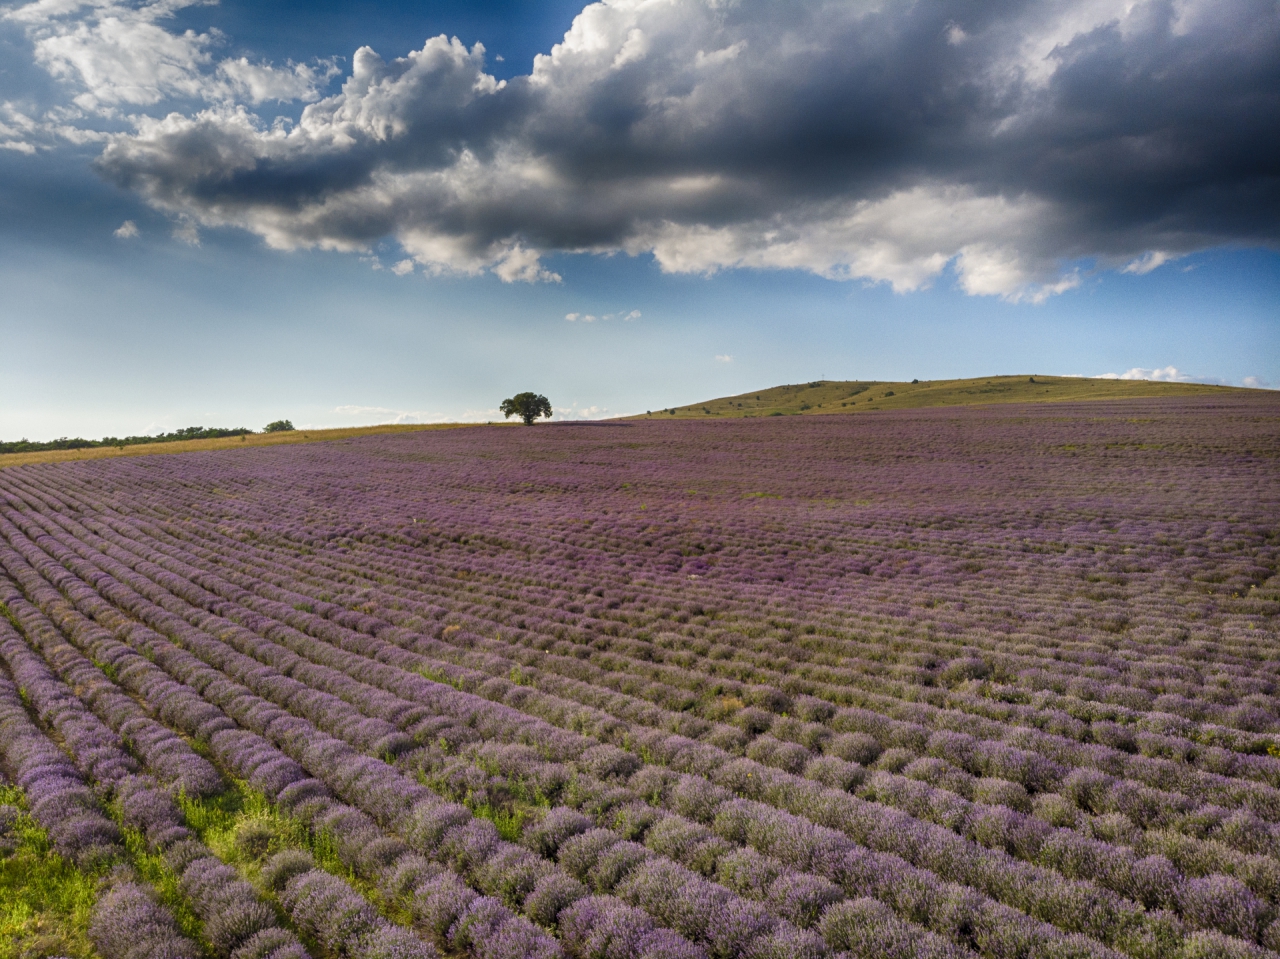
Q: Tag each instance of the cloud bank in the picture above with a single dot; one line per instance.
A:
(378, 415)
(1171, 374)
(1013, 143)
(591, 317)
(116, 54)
(1166, 374)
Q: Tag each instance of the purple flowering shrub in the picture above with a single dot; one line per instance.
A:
(128, 923)
(56, 792)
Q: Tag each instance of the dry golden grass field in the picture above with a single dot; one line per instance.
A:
(222, 443)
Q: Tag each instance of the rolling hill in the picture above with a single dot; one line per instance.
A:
(864, 396)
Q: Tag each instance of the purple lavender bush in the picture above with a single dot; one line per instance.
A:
(128, 923)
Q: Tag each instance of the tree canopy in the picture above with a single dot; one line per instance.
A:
(79, 443)
(279, 426)
(527, 406)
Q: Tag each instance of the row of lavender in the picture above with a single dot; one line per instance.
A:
(1230, 679)
(837, 785)
(1157, 773)
(435, 828)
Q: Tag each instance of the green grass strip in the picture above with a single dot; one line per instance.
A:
(221, 822)
(154, 870)
(45, 901)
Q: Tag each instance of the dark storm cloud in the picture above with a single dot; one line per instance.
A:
(849, 139)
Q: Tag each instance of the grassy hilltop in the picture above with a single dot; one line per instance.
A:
(863, 396)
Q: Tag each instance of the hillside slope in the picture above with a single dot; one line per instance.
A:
(863, 396)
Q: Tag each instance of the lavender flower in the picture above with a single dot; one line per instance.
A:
(128, 923)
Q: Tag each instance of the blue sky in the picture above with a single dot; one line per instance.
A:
(731, 217)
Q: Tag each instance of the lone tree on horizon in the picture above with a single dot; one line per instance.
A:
(527, 406)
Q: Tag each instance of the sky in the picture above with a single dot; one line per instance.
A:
(222, 214)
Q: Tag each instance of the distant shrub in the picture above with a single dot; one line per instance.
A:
(279, 426)
(1056, 810)
(894, 760)
(283, 866)
(254, 837)
(965, 668)
(855, 748)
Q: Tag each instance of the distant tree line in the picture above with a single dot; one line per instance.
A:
(188, 433)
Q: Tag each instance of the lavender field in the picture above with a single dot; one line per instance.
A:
(998, 682)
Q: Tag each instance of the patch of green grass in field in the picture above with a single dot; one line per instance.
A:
(508, 821)
(219, 820)
(225, 443)
(154, 870)
(45, 901)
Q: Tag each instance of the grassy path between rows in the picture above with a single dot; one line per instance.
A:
(45, 900)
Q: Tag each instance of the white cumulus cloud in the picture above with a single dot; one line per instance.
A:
(1165, 374)
(1148, 262)
(116, 53)
(187, 231)
(378, 415)
(18, 146)
(576, 412)
(260, 82)
(1011, 148)
(17, 130)
(592, 317)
